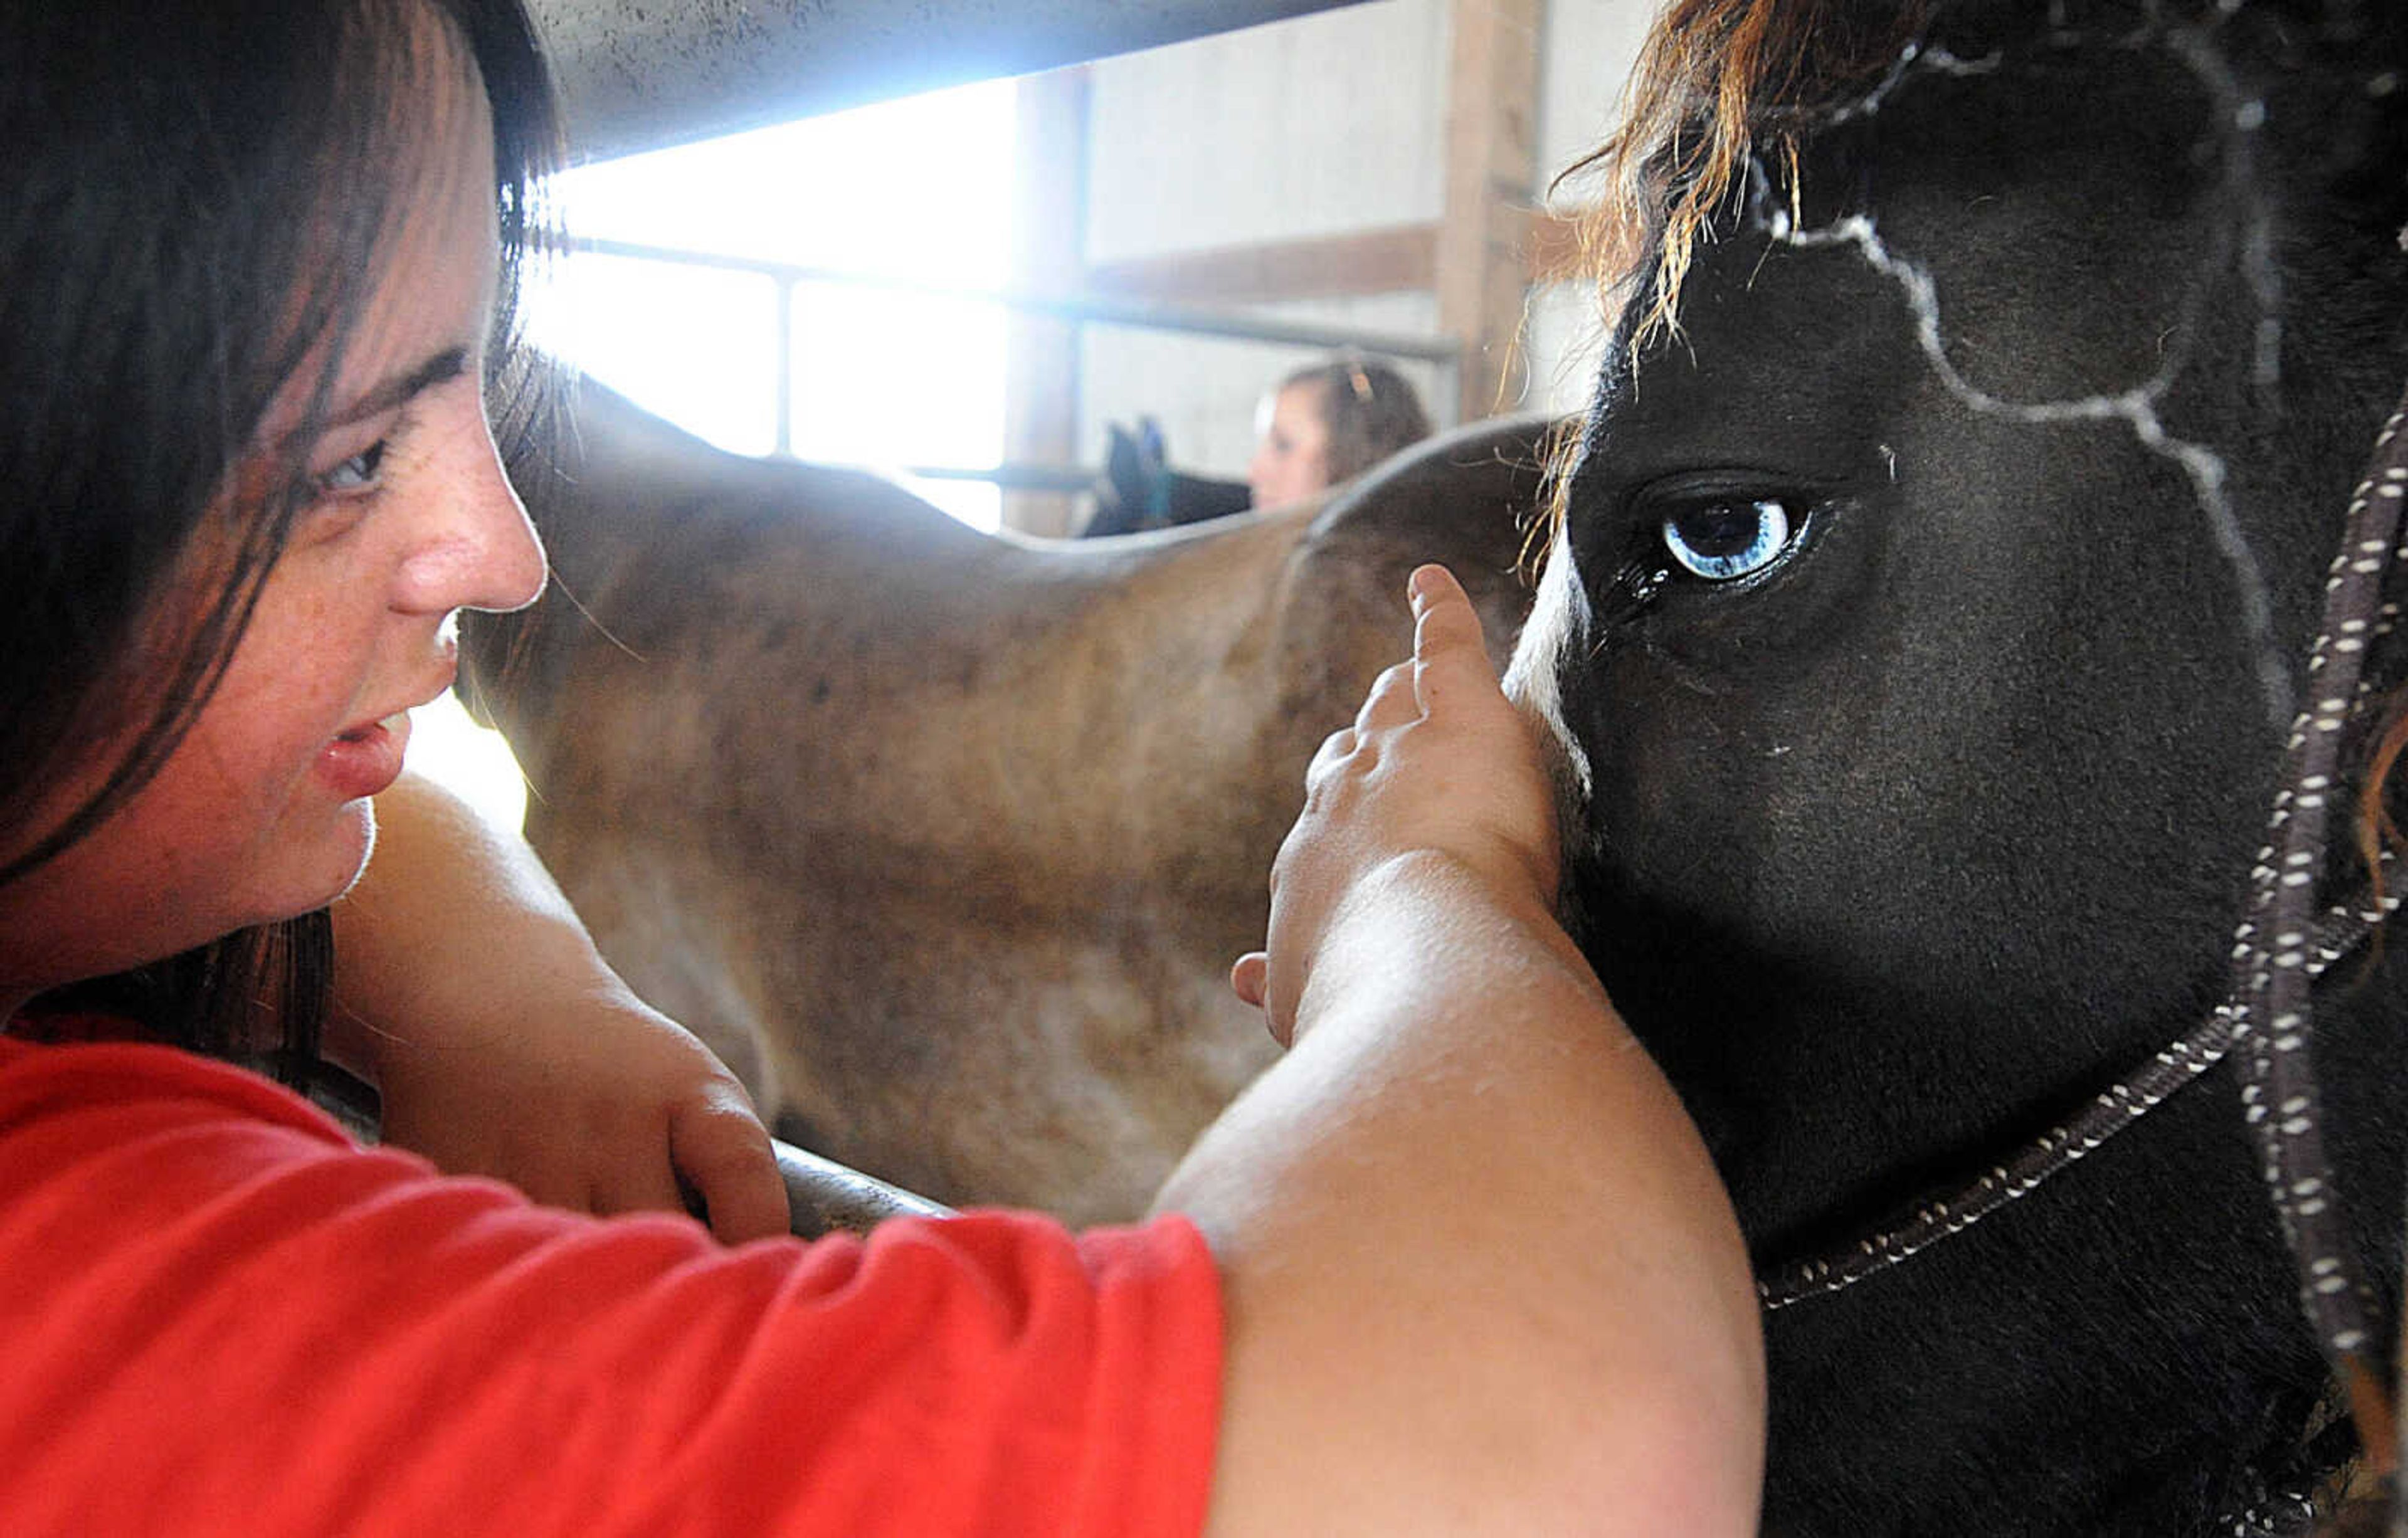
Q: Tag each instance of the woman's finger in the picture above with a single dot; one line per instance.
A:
(1390, 702)
(1450, 650)
(721, 1153)
(637, 1184)
(1335, 749)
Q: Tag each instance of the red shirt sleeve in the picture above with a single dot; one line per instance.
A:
(222, 1317)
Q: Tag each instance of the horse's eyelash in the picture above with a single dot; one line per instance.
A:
(1634, 586)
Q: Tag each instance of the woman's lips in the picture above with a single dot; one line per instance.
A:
(367, 758)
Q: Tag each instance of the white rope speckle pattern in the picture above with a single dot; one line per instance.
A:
(2271, 952)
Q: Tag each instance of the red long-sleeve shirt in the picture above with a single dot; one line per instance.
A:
(218, 1315)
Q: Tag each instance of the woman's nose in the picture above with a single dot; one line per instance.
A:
(479, 550)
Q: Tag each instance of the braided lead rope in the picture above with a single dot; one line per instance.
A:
(2148, 1085)
(2268, 1513)
(2273, 953)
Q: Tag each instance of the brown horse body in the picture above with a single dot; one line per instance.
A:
(946, 841)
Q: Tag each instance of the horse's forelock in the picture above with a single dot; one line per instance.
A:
(1717, 81)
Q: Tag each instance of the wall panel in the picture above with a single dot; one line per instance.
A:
(1313, 126)
(1282, 135)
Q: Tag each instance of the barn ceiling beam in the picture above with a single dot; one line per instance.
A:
(643, 73)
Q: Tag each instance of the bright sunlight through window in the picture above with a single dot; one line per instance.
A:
(917, 189)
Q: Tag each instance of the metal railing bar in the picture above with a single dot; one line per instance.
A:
(1097, 309)
(1010, 478)
(825, 1196)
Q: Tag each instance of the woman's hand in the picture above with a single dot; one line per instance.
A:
(597, 1102)
(1437, 763)
(468, 991)
(1478, 1274)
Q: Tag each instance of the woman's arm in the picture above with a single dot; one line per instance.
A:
(468, 991)
(1480, 1277)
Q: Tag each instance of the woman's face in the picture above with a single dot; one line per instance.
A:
(1293, 460)
(262, 811)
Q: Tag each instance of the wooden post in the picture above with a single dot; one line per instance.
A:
(1049, 250)
(1491, 154)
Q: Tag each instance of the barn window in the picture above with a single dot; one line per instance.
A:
(913, 192)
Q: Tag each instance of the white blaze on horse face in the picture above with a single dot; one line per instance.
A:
(1534, 681)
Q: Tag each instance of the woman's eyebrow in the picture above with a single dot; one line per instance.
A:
(397, 390)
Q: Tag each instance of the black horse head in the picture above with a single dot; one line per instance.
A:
(1928, 614)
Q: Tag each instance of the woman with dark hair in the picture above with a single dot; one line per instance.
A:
(190, 257)
(1331, 423)
(1456, 1263)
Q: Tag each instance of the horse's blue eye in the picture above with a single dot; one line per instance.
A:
(1721, 541)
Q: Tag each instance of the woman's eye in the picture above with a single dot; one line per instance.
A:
(1723, 541)
(355, 475)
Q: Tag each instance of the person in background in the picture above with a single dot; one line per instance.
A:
(1457, 1263)
(1328, 423)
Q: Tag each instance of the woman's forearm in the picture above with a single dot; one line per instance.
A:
(1463, 1227)
(445, 898)
(470, 992)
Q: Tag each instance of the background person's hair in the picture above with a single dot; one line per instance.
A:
(198, 201)
(1370, 411)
